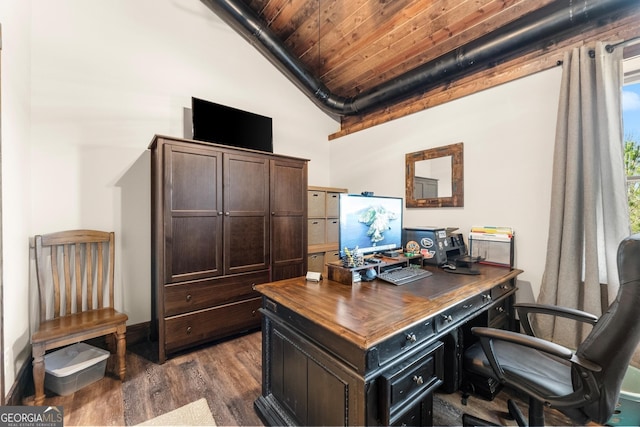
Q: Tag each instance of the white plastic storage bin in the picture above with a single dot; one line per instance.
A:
(627, 411)
(71, 368)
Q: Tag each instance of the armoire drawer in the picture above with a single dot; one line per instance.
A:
(199, 294)
(205, 325)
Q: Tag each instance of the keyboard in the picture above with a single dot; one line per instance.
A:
(403, 275)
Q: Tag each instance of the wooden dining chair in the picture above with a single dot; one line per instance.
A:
(75, 272)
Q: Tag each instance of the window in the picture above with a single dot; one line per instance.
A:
(631, 129)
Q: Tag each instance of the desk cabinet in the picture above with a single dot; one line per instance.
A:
(214, 212)
(371, 354)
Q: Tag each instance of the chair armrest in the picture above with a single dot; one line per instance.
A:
(524, 309)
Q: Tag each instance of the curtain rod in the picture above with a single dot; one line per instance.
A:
(611, 47)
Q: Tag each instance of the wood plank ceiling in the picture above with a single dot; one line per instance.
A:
(352, 46)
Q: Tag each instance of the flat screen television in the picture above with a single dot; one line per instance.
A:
(221, 124)
(371, 223)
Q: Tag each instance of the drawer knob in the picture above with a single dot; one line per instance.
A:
(500, 309)
(486, 297)
(188, 298)
(447, 318)
(188, 330)
(418, 379)
(411, 337)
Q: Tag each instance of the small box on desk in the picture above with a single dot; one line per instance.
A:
(344, 275)
(494, 245)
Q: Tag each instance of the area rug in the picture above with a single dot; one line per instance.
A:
(193, 414)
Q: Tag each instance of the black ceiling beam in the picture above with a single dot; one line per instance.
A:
(535, 31)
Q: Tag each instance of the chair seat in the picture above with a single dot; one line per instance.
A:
(78, 323)
(546, 374)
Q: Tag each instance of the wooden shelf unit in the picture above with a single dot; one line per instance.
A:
(323, 224)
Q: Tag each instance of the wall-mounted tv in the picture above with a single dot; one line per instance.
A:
(221, 124)
(371, 223)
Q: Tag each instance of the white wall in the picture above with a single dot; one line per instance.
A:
(15, 82)
(106, 77)
(508, 134)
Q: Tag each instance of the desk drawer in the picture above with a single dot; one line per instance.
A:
(400, 343)
(502, 289)
(498, 314)
(418, 414)
(466, 308)
(402, 384)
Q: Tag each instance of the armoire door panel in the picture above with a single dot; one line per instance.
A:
(247, 236)
(246, 213)
(246, 181)
(193, 248)
(288, 203)
(193, 202)
(194, 180)
(288, 233)
(289, 194)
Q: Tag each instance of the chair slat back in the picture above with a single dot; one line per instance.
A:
(75, 271)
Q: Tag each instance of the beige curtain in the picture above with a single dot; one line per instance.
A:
(589, 210)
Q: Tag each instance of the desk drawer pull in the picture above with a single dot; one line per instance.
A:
(188, 330)
(412, 337)
(467, 306)
(188, 298)
(486, 298)
(447, 318)
(418, 379)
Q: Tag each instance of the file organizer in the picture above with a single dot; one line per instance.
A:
(495, 245)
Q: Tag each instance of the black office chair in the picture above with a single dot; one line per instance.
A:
(583, 384)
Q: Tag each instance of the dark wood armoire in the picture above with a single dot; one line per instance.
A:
(223, 220)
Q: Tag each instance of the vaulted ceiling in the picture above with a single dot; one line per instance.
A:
(368, 61)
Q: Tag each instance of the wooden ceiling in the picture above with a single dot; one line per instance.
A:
(352, 46)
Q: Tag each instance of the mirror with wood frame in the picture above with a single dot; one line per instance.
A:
(435, 177)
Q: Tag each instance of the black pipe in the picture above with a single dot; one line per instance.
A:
(535, 31)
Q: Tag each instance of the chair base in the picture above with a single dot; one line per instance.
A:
(471, 421)
(536, 415)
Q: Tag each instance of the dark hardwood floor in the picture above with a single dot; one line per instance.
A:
(228, 375)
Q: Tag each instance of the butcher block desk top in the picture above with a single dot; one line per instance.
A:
(367, 313)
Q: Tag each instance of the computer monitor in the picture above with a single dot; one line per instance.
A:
(370, 223)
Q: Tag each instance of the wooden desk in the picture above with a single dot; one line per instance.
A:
(371, 353)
